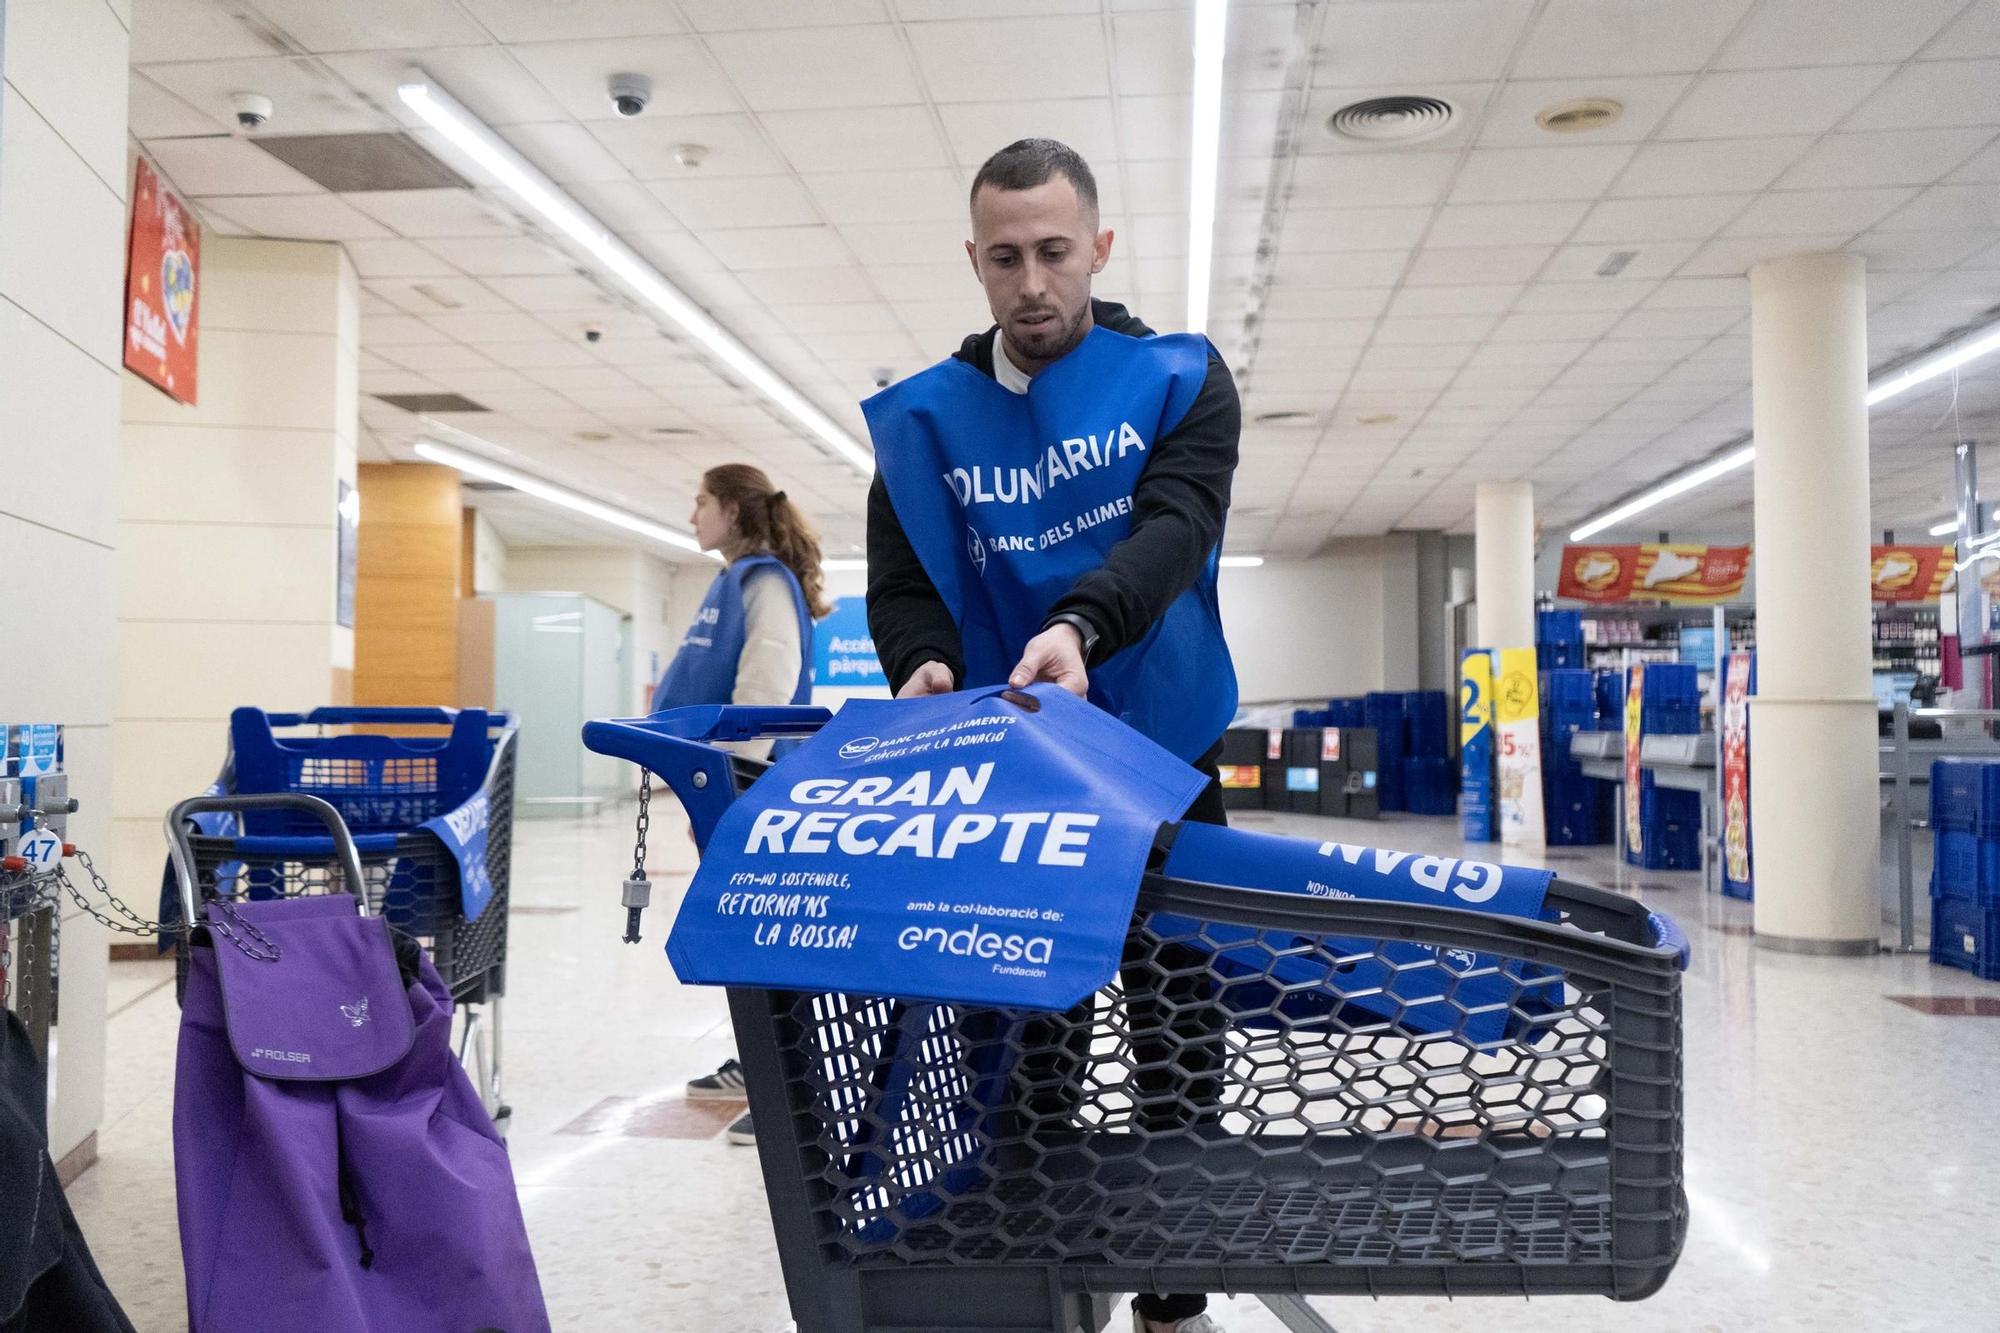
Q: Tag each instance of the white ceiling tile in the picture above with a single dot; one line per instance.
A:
(481, 327)
(1815, 32)
(1683, 218)
(427, 296)
(1442, 267)
(958, 61)
(685, 80)
(1737, 254)
(1597, 294)
(856, 197)
(1727, 293)
(307, 97)
(396, 381)
(1325, 302)
(917, 285)
(1349, 180)
(1158, 127)
(1154, 49)
(857, 139)
(226, 165)
(1449, 40)
(539, 20)
(1316, 230)
(1435, 329)
(1817, 212)
(381, 331)
(1414, 356)
(299, 217)
(1656, 259)
(1510, 116)
(978, 130)
(1656, 351)
(787, 70)
(151, 112)
(906, 242)
(777, 247)
(432, 357)
(570, 379)
(1505, 224)
(648, 147)
(1885, 157)
(624, 206)
(1975, 33)
(1596, 38)
(566, 152)
(371, 24)
(1572, 171)
(1949, 208)
(423, 214)
(1903, 251)
(1359, 268)
(544, 294)
(1982, 169)
(396, 259)
(1929, 94)
(733, 15)
(192, 30)
(1563, 326)
(533, 352)
(491, 256)
(830, 284)
(855, 318)
(1700, 167)
(1430, 301)
(1757, 103)
(722, 203)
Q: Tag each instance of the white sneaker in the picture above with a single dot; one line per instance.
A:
(1197, 1323)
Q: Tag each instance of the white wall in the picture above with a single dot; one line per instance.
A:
(636, 584)
(63, 184)
(1340, 624)
(489, 556)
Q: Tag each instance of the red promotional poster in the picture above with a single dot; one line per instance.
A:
(1908, 573)
(1635, 695)
(1736, 770)
(1679, 572)
(162, 275)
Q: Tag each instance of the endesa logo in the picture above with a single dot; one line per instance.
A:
(859, 746)
(974, 942)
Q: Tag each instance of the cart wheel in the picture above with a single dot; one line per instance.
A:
(503, 1120)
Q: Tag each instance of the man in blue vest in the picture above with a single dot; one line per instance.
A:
(1048, 506)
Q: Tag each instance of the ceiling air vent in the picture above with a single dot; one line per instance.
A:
(1580, 115)
(1400, 119)
(353, 163)
(431, 402)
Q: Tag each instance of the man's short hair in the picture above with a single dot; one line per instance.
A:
(1026, 163)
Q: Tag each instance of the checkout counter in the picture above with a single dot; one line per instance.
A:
(1680, 763)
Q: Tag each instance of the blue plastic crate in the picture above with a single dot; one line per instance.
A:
(1966, 936)
(1672, 683)
(1427, 715)
(1670, 829)
(1955, 864)
(1670, 719)
(1957, 794)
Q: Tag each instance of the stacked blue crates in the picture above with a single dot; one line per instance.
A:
(1670, 820)
(1385, 713)
(1965, 866)
(1558, 640)
(1430, 777)
(1347, 714)
(1573, 805)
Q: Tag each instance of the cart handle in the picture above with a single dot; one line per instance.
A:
(679, 745)
(181, 851)
(344, 716)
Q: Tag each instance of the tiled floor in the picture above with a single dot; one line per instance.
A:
(1840, 1145)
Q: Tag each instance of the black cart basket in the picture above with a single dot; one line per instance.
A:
(1247, 1108)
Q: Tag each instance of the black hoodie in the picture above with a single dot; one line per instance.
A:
(1177, 513)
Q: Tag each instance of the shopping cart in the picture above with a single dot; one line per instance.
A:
(1195, 1127)
(416, 807)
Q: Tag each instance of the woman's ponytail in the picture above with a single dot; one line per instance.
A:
(766, 519)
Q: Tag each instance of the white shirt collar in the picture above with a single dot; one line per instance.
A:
(1011, 377)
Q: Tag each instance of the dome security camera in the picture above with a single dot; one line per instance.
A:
(593, 333)
(252, 109)
(629, 93)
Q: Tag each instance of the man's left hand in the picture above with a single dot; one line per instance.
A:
(1056, 654)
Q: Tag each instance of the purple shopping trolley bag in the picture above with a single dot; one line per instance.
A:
(336, 1171)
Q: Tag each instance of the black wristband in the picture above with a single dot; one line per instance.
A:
(1084, 630)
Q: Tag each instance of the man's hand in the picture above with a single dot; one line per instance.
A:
(1055, 654)
(930, 678)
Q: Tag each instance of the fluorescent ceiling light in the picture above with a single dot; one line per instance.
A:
(560, 495)
(1945, 359)
(1667, 490)
(1211, 29)
(1945, 528)
(470, 136)
(1242, 561)
(843, 564)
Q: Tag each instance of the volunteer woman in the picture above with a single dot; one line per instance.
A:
(749, 643)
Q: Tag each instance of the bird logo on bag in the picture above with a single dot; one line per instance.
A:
(356, 1013)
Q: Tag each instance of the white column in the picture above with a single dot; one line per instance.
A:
(1503, 557)
(1814, 795)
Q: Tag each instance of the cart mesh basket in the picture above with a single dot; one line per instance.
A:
(1201, 1127)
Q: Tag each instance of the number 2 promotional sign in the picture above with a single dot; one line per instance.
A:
(162, 279)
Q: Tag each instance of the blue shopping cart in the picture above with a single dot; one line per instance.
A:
(431, 812)
(1278, 1095)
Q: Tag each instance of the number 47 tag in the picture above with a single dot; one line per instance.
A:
(42, 850)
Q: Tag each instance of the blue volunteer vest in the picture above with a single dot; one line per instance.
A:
(1009, 498)
(704, 670)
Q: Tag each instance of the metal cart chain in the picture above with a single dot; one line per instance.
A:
(224, 919)
(637, 891)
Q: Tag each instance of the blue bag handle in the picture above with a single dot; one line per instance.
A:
(679, 745)
(344, 716)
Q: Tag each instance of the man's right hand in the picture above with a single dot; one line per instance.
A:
(930, 678)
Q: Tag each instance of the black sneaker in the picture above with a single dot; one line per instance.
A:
(741, 1132)
(724, 1085)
